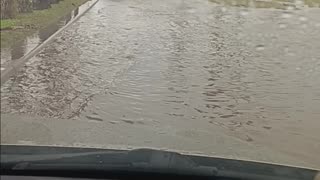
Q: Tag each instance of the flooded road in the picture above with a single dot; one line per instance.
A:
(251, 74)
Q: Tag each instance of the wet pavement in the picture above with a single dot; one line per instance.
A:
(251, 74)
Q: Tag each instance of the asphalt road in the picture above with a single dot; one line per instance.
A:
(187, 75)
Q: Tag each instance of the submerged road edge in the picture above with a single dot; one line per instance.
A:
(15, 67)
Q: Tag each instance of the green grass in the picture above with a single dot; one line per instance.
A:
(277, 4)
(41, 18)
(7, 23)
(313, 3)
(34, 21)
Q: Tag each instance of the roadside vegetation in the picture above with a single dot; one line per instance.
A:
(7, 23)
(16, 24)
(277, 4)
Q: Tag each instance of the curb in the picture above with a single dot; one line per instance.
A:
(15, 67)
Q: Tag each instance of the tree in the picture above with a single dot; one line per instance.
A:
(25, 6)
(9, 9)
(41, 4)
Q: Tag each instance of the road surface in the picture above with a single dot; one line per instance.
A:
(185, 75)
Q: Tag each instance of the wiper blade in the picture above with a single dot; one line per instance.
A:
(44, 157)
(140, 160)
(143, 161)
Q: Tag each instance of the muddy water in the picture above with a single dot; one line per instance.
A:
(10, 55)
(252, 73)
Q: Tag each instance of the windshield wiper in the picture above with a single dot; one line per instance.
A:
(147, 161)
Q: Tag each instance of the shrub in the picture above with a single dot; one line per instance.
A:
(25, 6)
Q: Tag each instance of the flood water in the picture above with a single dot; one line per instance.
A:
(253, 73)
(20, 48)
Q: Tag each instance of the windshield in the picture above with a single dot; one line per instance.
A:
(234, 79)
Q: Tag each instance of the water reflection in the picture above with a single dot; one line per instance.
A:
(21, 48)
(18, 50)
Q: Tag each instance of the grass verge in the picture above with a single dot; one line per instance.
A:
(7, 23)
(25, 24)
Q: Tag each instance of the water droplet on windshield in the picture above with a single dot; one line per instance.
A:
(260, 47)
